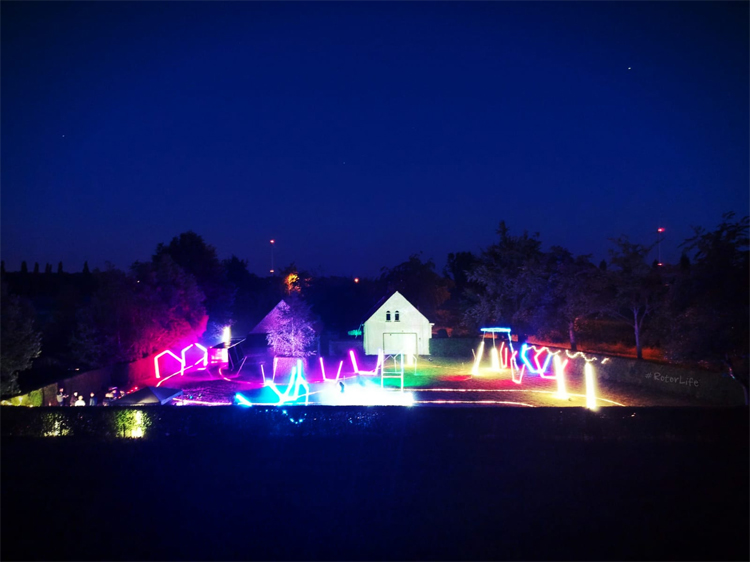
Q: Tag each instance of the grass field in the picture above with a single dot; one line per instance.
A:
(434, 380)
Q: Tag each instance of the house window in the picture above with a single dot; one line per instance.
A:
(396, 318)
(387, 315)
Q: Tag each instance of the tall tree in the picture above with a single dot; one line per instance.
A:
(419, 283)
(20, 343)
(707, 314)
(577, 287)
(59, 267)
(237, 272)
(191, 253)
(24, 267)
(637, 288)
(457, 269)
(133, 315)
(36, 267)
(509, 275)
(86, 268)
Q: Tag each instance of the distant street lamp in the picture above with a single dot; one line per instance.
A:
(272, 243)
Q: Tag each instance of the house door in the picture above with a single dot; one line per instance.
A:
(400, 342)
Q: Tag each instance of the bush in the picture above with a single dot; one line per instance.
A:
(453, 347)
(36, 398)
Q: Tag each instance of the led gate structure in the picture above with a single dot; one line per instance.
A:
(502, 358)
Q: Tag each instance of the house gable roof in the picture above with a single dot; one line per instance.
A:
(389, 304)
(269, 319)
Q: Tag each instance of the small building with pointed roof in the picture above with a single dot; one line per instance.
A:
(270, 319)
(396, 326)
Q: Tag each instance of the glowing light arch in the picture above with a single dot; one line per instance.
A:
(156, 362)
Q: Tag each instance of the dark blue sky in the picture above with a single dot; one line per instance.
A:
(356, 134)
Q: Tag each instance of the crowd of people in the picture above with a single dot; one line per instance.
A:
(92, 400)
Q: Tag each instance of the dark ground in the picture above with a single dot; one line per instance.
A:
(374, 497)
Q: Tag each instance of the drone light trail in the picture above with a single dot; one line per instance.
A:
(338, 373)
(156, 362)
(292, 391)
(588, 371)
(494, 359)
(504, 356)
(205, 354)
(478, 358)
(579, 354)
(354, 361)
(562, 392)
(242, 401)
(184, 362)
(539, 369)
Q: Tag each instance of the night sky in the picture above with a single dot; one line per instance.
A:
(356, 134)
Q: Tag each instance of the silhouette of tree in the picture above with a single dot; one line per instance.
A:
(86, 268)
(578, 292)
(59, 267)
(192, 254)
(510, 280)
(419, 283)
(707, 314)
(20, 343)
(637, 288)
(36, 268)
(24, 268)
(133, 315)
(237, 272)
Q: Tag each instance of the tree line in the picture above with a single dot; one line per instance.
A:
(693, 310)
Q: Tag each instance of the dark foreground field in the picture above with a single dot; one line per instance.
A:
(664, 495)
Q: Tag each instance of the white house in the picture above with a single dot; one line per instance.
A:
(397, 327)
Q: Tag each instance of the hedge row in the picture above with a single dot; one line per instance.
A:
(234, 422)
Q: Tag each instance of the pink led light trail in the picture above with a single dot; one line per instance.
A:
(156, 362)
(516, 374)
(354, 361)
(341, 364)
